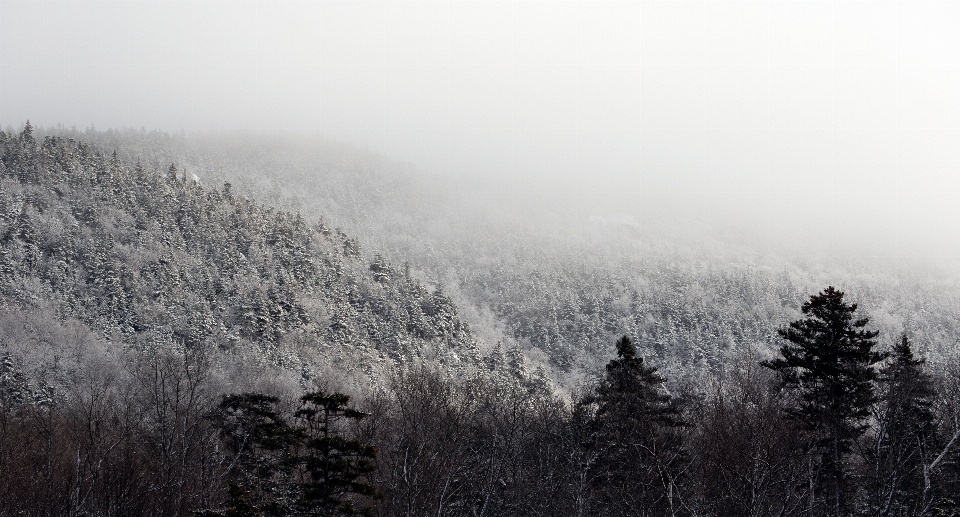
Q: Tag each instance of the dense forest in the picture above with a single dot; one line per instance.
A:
(170, 345)
(552, 275)
(152, 259)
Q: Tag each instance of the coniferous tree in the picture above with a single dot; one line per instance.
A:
(27, 133)
(515, 362)
(335, 468)
(635, 432)
(828, 363)
(302, 467)
(262, 444)
(905, 434)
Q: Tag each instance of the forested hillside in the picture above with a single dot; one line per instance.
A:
(557, 278)
(146, 257)
(170, 346)
(133, 299)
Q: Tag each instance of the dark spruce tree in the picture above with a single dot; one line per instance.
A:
(635, 434)
(905, 440)
(302, 466)
(334, 468)
(828, 364)
(263, 445)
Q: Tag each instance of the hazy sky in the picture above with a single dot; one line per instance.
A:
(846, 112)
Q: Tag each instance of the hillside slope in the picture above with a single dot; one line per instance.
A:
(149, 258)
(559, 278)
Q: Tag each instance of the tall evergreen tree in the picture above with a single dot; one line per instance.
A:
(828, 363)
(640, 452)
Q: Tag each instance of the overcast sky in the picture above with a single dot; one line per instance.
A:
(846, 112)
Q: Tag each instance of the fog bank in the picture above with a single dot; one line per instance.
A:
(822, 121)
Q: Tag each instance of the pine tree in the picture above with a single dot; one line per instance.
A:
(14, 389)
(632, 392)
(828, 363)
(905, 435)
(263, 444)
(27, 133)
(302, 467)
(635, 426)
(496, 360)
(335, 467)
(515, 362)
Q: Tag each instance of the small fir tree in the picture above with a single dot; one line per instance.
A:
(27, 134)
(905, 434)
